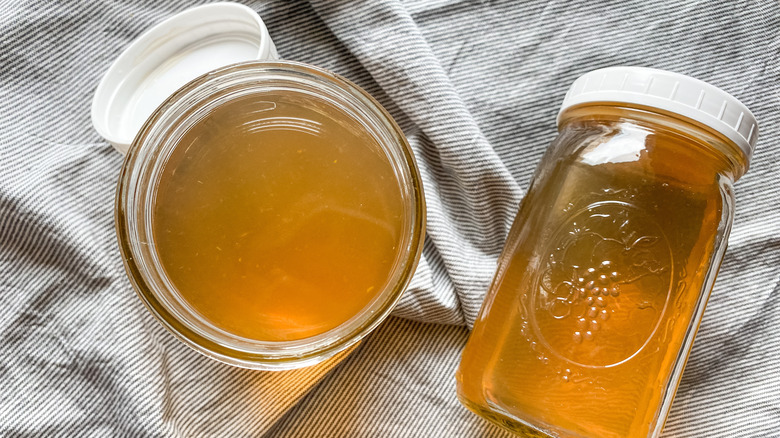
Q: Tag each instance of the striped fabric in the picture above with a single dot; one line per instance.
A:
(476, 88)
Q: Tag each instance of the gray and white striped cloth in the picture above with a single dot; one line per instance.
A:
(476, 88)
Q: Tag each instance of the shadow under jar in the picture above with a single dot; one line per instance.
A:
(270, 214)
(607, 269)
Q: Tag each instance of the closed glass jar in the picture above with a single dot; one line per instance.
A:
(608, 266)
(270, 214)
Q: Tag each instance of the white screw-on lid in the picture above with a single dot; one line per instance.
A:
(169, 55)
(672, 92)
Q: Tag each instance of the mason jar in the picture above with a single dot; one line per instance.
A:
(608, 266)
(165, 146)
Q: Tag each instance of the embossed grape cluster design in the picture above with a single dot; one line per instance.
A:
(597, 285)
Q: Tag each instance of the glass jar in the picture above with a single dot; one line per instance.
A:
(602, 283)
(161, 138)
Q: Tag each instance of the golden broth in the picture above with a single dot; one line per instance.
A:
(278, 217)
(596, 291)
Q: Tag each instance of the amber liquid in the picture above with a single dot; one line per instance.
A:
(598, 285)
(278, 217)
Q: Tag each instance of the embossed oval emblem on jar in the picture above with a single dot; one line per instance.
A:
(604, 286)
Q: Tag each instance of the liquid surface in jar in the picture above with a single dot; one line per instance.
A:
(278, 217)
(596, 289)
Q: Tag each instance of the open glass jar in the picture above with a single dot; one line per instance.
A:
(607, 269)
(202, 128)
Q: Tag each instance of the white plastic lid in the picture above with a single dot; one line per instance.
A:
(169, 55)
(672, 92)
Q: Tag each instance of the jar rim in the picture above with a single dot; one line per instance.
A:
(135, 195)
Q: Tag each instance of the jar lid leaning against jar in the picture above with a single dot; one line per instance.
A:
(269, 213)
(603, 281)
